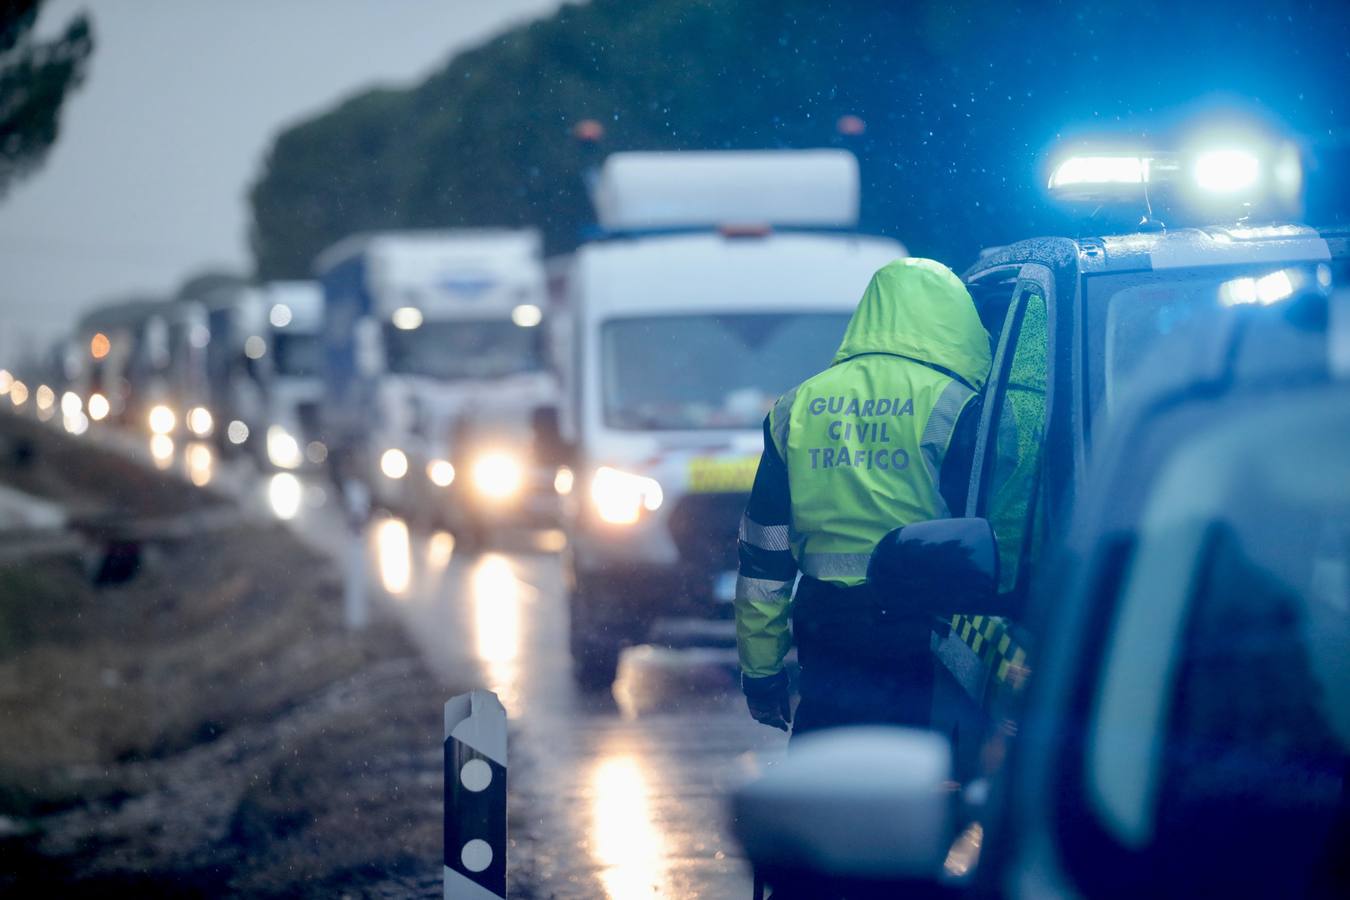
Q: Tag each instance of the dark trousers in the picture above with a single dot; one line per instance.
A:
(860, 665)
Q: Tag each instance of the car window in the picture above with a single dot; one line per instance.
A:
(1017, 432)
(1130, 314)
(993, 295)
(1223, 718)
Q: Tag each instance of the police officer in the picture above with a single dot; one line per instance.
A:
(880, 439)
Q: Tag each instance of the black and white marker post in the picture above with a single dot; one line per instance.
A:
(475, 797)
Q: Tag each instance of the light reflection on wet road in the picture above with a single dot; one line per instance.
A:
(616, 796)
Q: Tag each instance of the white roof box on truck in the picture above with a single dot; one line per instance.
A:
(796, 188)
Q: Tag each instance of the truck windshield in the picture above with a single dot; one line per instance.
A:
(462, 349)
(714, 371)
(1129, 313)
(297, 355)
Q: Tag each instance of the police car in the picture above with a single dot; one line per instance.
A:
(1189, 721)
(1073, 320)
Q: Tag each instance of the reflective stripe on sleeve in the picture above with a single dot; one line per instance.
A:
(937, 434)
(762, 590)
(763, 632)
(765, 537)
(835, 565)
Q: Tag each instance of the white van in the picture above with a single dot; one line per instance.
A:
(725, 279)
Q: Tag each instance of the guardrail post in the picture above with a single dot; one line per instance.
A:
(475, 797)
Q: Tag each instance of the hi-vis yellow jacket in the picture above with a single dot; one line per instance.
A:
(856, 450)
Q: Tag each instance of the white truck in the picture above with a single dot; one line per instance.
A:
(433, 363)
(291, 374)
(118, 360)
(725, 278)
(234, 363)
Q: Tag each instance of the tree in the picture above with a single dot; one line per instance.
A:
(202, 284)
(960, 104)
(35, 79)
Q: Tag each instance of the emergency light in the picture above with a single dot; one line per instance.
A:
(1215, 180)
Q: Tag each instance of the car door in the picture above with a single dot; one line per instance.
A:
(1006, 486)
(1204, 750)
(981, 653)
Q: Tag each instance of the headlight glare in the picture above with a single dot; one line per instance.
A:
(620, 497)
(162, 420)
(498, 475)
(441, 472)
(394, 463)
(199, 421)
(282, 449)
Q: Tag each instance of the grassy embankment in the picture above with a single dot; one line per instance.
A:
(208, 727)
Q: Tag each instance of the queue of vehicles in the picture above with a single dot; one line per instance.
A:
(413, 354)
(458, 379)
(1155, 526)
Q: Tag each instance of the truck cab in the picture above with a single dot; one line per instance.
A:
(121, 356)
(432, 339)
(290, 315)
(234, 361)
(722, 280)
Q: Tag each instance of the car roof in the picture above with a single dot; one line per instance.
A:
(1176, 248)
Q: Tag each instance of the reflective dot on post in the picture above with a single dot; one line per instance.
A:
(476, 855)
(476, 775)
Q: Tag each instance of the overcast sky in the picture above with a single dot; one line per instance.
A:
(148, 179)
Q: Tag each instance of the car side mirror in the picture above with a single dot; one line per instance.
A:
(941, 566)
(870, 806)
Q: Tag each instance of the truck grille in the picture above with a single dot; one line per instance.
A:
(704, 528)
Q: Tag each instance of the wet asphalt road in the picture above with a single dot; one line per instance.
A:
(615, 794)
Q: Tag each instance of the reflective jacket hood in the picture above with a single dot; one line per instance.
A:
(920, 309)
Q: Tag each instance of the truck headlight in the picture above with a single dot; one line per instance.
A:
(441, 472)
(498, 475)
(162, 420)
(394, 463)
(99, 407)
(563, 480)
(199, 421)
(620, 497)
(282, 449)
